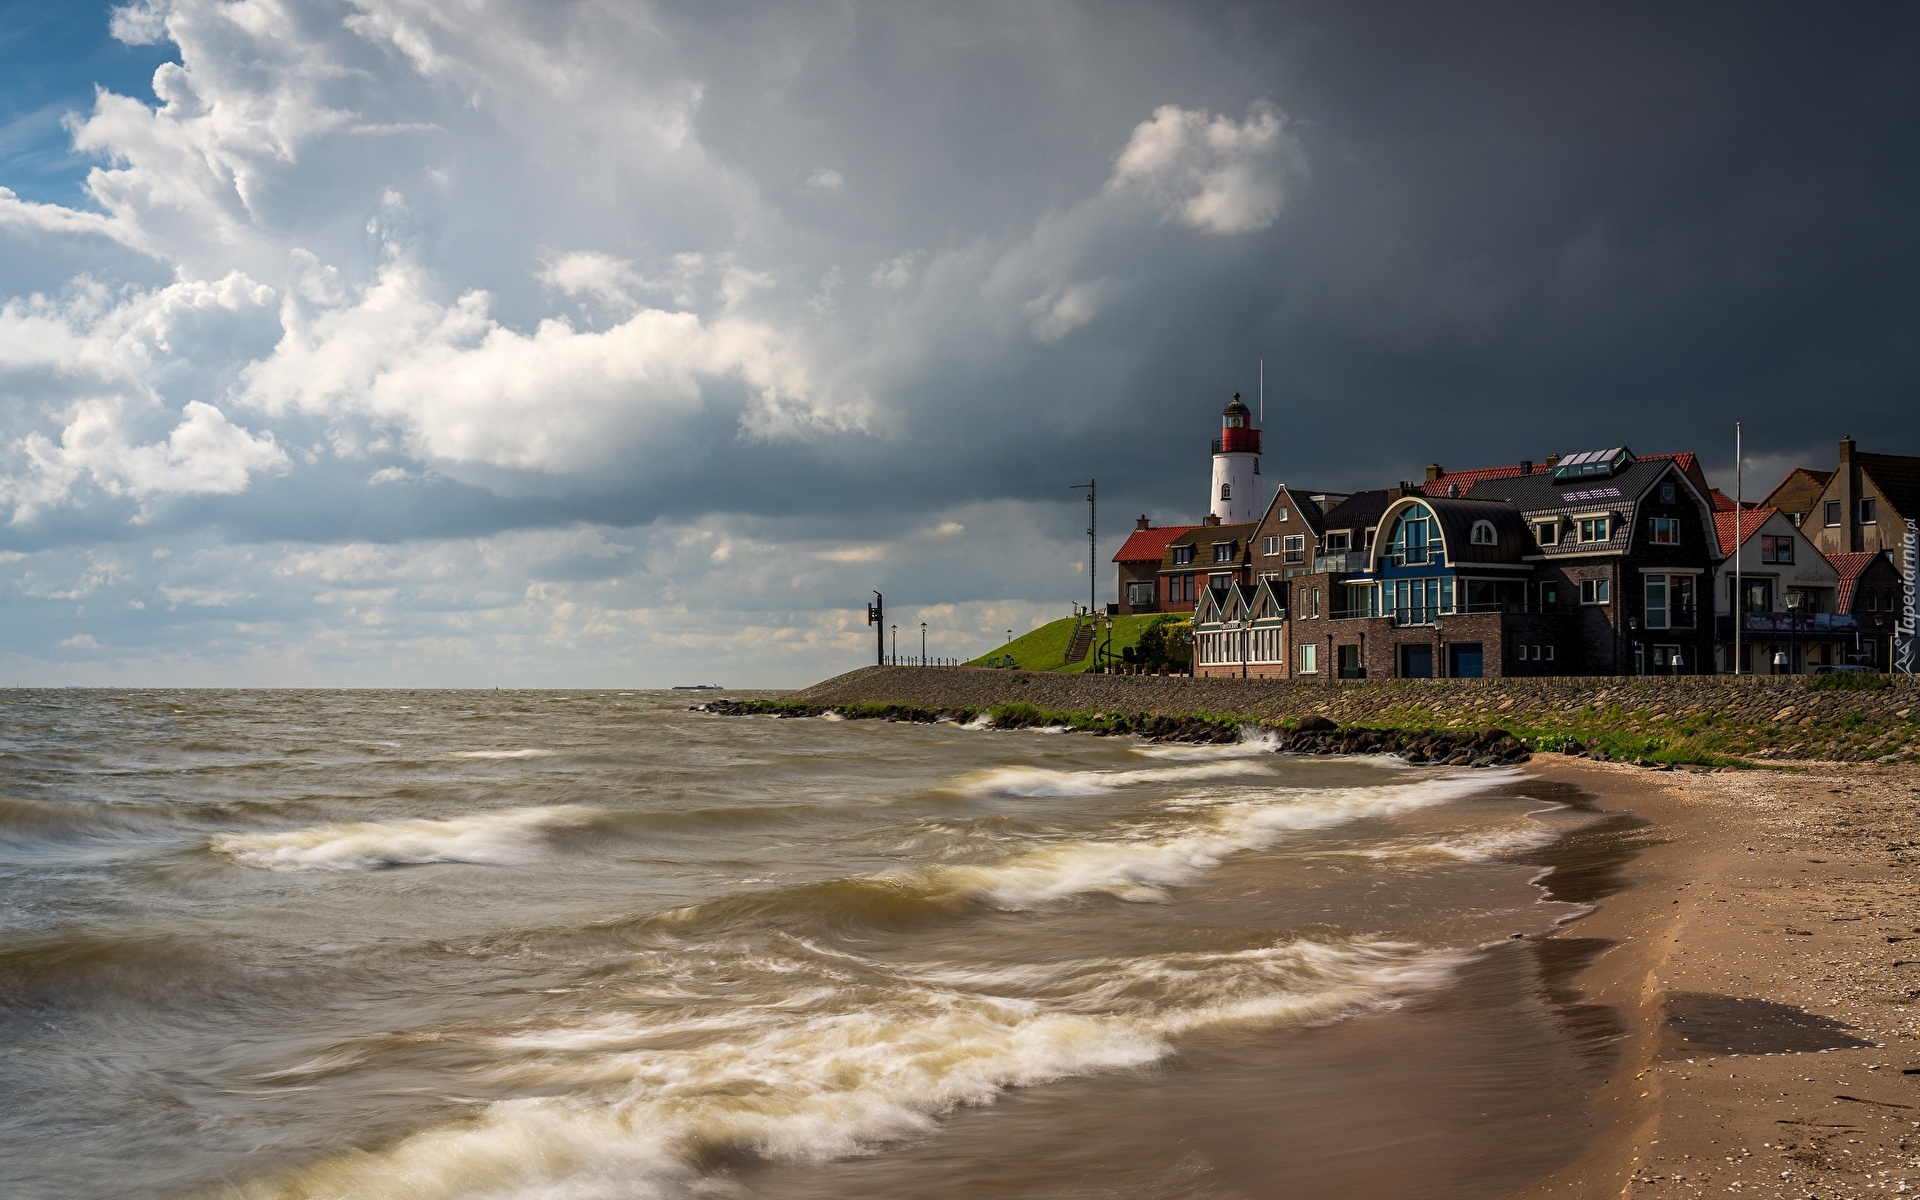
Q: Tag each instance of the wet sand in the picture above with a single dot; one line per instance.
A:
(1764, 966)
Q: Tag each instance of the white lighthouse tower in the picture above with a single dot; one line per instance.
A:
(1236, 467)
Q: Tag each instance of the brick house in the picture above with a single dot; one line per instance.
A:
(1869, 591)
(1288, 537)
(1208, 555)
(1138, 565)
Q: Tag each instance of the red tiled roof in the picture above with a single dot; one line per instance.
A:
(1850, 565)
(1750, 522)
(1724, 503)
(1149, 545)
(1466, 479)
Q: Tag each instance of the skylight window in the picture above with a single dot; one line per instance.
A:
(1593, 464)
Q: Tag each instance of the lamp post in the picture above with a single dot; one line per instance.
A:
(923, 643)
(896, 645)
(1796, 600)
(1633, 629)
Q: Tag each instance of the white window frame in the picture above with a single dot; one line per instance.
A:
(1482, 534)
(1596, 592)
(1600, 524)
(1270, 546)
(1294, 544)
(1548, 532)
(1309, 658)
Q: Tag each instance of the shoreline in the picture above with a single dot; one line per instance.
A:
(1764, 922)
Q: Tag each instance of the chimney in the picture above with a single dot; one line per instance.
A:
(1210, 519)
(1846, 451)
(1849, 538)
(1526, 466)
(1434, 471)
(1553, 460)
(1142, 523)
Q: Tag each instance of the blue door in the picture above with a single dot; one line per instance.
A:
(1416, 662)
(1463, 660)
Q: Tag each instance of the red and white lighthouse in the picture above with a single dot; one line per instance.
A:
(1236, 467)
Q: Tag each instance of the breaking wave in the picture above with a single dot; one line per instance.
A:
(634, 1105)
(1049, 781)
(529, 753)
(506, 838)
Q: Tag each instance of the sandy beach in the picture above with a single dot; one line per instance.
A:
(1765, 963)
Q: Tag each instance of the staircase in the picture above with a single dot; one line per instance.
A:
(1082, 641)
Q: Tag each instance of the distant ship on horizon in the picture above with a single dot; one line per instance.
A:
(698, 687)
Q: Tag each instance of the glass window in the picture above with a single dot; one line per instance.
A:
(1759, 595)
(1139, 594)
(1548, 532)
(1867, 514)
(1223, 552)
(1680, 601)
(1182, 555)
(1656, 602)
(1666, 531)
(1407, 541)
(1309, 658)
(1316, 602)
(1226, 491)
(1270, 547)
(1339, 543)
(1595, 529)
(1282, 515)
(1595, 591)
(1832, 514)
(1482, 534)
(1549, 595)
(1296, 548)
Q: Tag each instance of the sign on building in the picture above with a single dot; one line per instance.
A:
(1906, 641)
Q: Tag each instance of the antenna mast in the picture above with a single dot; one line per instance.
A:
(1263, 393)
(1093, 544)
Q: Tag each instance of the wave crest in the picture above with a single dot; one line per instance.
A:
(506, 838)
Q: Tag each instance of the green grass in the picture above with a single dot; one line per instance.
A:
(1045, 649)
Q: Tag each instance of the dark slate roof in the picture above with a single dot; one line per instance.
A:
(1541, 496)
(1457, 518)
(1897, 476)
(1303, 504)
(1359, 511)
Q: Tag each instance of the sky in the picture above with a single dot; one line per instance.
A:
(595, 343)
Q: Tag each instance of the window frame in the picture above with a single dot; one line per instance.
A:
(1596, 593)
(1337, 542)
(1183, 556)
(1547, 532)
(1309, 658)
(1830, 514)
(1223, 552)
(1663, 531)
(1293, 548)
(1869, 511)
(1270, 546)
(1483, 534)
(1602, 526)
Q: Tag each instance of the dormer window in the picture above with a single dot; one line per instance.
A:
(1548, 532)
(1339, 543)
(1482, 534)
(1223, 552)
(1183, 556)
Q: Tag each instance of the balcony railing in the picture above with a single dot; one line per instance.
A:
(1343, 563)
(1237, 441)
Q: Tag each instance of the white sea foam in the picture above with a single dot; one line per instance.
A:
(830, 715)
(1142, 869)
(1482, 845)
(505, 838)
(1252, 741)
(980, 721)
(1048, 781)
(530, 753)
(629, 1105)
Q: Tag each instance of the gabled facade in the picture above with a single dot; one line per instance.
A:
(1241, 631)
(1288, 536)
(1786, 595)
(1798, 494)
(1866, 503)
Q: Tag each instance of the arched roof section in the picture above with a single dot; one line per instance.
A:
(1454, 520)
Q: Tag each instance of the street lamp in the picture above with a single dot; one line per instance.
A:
(1796, 600)
(896, 645)
(923, 643)
(1639, 662)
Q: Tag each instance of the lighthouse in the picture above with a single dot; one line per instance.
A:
(1236, 467)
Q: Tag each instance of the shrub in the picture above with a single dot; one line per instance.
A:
(1850, 681)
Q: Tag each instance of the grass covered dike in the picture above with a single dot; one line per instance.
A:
(1478, 748)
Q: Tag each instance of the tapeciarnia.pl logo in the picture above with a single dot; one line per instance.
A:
(1906, 646)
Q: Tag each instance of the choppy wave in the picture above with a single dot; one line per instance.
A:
(629, 1105)
(32, 823)
(504, 838)
(1252, 741)
(1478, 846)
(1050, 781)
(527, 753)
(1143, 868)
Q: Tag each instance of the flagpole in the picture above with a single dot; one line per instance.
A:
(1739, 496)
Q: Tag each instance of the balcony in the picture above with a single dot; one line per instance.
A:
(1237, 441)
(1344, 563)
(1807, 625)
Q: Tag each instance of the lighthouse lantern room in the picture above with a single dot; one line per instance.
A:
(1236, 467)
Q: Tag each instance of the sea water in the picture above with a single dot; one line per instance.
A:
(595, 944)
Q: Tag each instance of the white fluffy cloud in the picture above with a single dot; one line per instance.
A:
(1211, 173)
